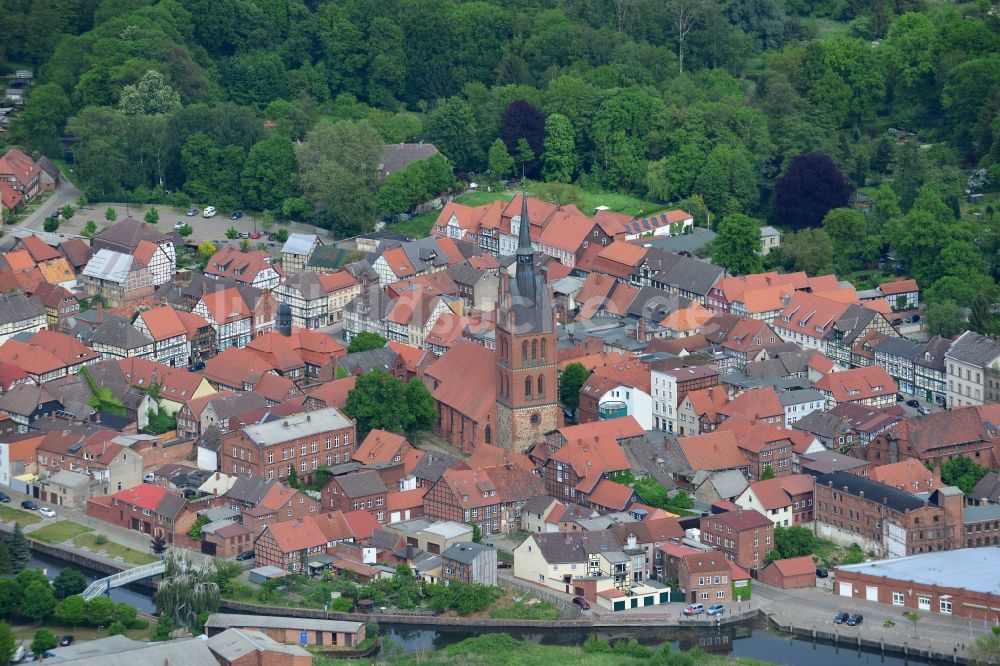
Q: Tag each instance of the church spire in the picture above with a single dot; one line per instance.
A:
(525, 254)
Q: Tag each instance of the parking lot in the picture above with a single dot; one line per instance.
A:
(213, 228)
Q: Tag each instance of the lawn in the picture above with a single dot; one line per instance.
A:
(80, 632)
(112, 549)
(9, 514)
(828, 27)
(64, 530)
(525, 610)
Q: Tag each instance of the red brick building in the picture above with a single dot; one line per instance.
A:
(354, 492)
(302, 442)
(147, 509)
(958, 582)
(464, 387)
(742, 536)
(764, 445)
(280, 503)
(572, 472)
(938, 437)
(894, 521)
(704, 577)
(791, 573)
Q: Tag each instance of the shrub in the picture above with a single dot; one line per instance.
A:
(594, 645)
(100, 539)
(51, 224)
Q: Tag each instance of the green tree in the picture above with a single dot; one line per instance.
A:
(727, 180)
(986, 649)
(962, 472)
(338, 171)
(452, 128)
(377, 401)
(100, 611)
(51, 224)
(944, 318)
(206, 249)
(768, 473)
(852, 246)
(150, 96)
(43, 641)
(10, 597)
(72, 611)
(809, 250)
(89, 229)
(737, 246)
(185, 230)
(164, 629)
(160, 421)
(68, 212)
(571, 380)
(913, 617)
(421, 409)
(38, 601)
(232, 233)
(524, 154)
(68, 582)
(8, 643)
(195, 531)
(110, 214)
(981, 317)
(41, 122)
(152, 216)
(117, 628)
(268, 176)
(5, 565)
(281, 235)
(365, 341)
(499, 161)
(245, 245)
(560, 160)
(794, 541)
(477, 533)
(19, 549)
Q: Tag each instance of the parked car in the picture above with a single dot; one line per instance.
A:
(248, 555)
(841, 618)
(271, 237)
(913, 403)
(4, 497)
(694, 609)
(29, 505)
(192, 211)
(503, 565)
(582, 603)
(66, 640)
(197, 366)
(255, 235)
(179, 224)
(237, 214)
(855, 620)
(899, 397)
(209, 212)
(716, 609)
(47, 512)
(822, 573)
(244, 234)
(923, 411)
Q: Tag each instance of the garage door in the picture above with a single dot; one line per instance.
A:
(871, 593)
(846, 590)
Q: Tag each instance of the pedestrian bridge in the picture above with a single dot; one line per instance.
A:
(102, 585)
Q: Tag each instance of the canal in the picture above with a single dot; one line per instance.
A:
(755, 639)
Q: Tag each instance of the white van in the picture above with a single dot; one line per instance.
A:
(18, 655)
(209, 212)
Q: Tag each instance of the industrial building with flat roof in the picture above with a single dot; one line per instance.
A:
(959, 582)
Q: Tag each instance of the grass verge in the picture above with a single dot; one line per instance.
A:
(59, 532)
(10, 514)
(89, 540)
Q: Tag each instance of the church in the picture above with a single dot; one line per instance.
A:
(508, 397)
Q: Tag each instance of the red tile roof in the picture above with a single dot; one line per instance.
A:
(760, 403)
(899, 287)
(909, 475)
(796, 566)
(466, 381)
(380, 446)
(361, 524)
(22, 167)
(226, 305)
(712, 451)
(163, 323)
(610, 495)
(618, 429)
(743, 519)
(398, 262)
(176, 384)
(857, 384)
(241, 266)
(39, 249)
(295, 535)
(567, 230)
(810, 315)
(405, 499)
(144, 496)
(65, 347)
(334, 394)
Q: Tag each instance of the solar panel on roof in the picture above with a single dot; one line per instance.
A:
(663, 217)
(645, 224)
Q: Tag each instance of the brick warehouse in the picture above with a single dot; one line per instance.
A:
(956, 582)
(894, 520)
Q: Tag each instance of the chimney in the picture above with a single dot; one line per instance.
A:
(100, 312)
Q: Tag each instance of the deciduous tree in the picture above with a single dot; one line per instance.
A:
(499, 160)
(268, 176)
(69, 581)
(571, 380)
(810, 188)
(521, 120)
(560, 160)
(38, 601)
(737, 245)
(364, 341)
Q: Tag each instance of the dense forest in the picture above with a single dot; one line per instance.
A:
(780, 110)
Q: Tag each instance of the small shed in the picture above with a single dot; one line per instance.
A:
(261, 575)
(792, 573)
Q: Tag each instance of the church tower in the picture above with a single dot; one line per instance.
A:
(527, 388)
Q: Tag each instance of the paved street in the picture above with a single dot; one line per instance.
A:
(66, 193)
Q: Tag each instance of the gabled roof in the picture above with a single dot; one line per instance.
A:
(987, 489)
(16, 307)
(611, 495)
(705, 562)
(144, 496)
(226, 305)
(810, 315)
(778, 492)
(974, 349)
(567, 230)
(301, 244)
(899, 287)
(961, 425)
(176, 384)
(39, 249)
(465, 380)
(126, 235)
(857, 384)
(795, 566)
(909, 475)
(617, 429)
(743, 519)
(760, 403)
(362, 484)
(717, 450)
(570, 547)
(295, 535)
(852, 484)
(334, 394)
(241, 266)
